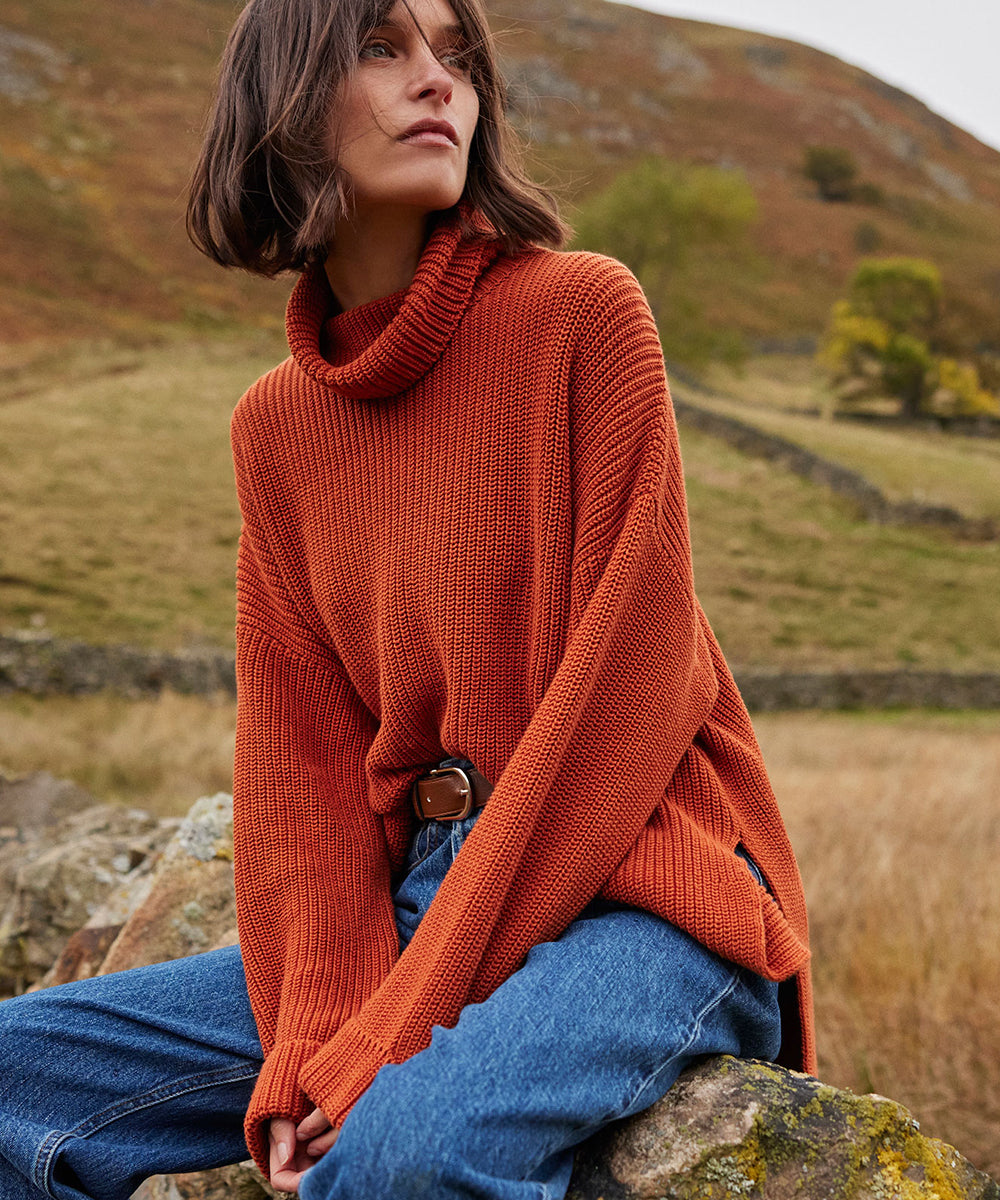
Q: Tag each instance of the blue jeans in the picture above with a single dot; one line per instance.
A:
(146, 1072)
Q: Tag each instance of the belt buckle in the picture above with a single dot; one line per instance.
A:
(466, 791)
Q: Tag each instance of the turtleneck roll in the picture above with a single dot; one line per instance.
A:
(465, 534)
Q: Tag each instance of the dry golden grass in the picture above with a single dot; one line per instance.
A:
(896, 822)
(895, 819)
(158, 754)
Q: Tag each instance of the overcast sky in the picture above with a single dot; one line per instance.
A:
(946, 54)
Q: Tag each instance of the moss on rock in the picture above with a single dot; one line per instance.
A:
(731, 1128)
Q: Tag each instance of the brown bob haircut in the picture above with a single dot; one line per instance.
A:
(265, 195)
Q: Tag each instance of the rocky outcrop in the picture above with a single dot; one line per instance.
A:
(61, 857)
(190, 905)
(182, 904)
(241, 1182)
(730, 1128)
(727, 1129)
(30, 811)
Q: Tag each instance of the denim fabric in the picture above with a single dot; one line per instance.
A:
(105, 1082)
(108, 1081)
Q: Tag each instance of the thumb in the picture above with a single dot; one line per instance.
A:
(283, 1138)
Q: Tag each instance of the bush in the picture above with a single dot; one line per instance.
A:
(880, 342)
(832, 169)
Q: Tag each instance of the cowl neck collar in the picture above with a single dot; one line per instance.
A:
(382, 348)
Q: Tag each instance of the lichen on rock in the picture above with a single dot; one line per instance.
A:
(731, 1128)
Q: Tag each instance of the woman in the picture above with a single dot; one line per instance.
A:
(507, 858)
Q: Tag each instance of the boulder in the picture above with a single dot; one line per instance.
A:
(240, 1182)
(728, 1128)
(189, 905)
(39, 801)
(732, 1128)
(31, 807)
(59, 889)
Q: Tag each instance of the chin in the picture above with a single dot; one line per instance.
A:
(431, 193)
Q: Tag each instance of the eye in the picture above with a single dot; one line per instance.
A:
(458, 59)
(376, 50)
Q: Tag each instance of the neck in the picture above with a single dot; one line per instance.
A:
(375, 255)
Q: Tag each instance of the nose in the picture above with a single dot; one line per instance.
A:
(432, 79)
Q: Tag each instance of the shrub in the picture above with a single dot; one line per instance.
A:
(832, 169)
(880, 342)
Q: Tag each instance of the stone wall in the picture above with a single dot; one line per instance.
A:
(870, 500)
(43, 666)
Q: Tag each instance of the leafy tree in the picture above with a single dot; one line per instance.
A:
(959, 391)
(659, 217)
(832, 169)
(905, 293)
(880, 342)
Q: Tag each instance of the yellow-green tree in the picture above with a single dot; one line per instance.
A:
(880, 342)
(656, 218)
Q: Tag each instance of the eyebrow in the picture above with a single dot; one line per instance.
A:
(448, 30)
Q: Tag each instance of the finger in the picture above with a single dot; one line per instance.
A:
(313, 1125)
(281, 1135)
(319, 1146)
(286, 1181)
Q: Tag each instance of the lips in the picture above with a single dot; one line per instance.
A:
(431, 133)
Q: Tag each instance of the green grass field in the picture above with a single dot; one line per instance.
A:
(120, 522)
(928, 466)
(116, 493)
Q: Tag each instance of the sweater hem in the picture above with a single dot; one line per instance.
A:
(277, 1094)
(339, 1074)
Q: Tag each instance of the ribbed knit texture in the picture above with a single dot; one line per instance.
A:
(465, 534)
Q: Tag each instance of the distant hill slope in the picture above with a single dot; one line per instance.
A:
(100, 107)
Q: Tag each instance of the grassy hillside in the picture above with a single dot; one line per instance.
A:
(100, 107)
(120, 524)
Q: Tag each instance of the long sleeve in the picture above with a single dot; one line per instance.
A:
(312, 873)
(634, 685)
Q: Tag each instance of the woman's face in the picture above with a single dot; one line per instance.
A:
(405, 119)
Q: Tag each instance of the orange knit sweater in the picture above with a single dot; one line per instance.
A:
(465, 533)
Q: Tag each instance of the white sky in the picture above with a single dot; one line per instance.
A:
(946, 54)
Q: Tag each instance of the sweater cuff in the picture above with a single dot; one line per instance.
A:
(342, 1071)
(278, 1093)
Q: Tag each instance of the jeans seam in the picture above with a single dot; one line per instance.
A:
(107, 1116)
(694, 1030)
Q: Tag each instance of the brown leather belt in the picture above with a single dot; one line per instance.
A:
(450, 793)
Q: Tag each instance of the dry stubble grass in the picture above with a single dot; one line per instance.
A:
(895, 819)
(159, 754)
(896, 822)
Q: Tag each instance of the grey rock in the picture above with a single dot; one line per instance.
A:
(39, 801)
(58, 889)
(731, 1128)
(189, 903)
(240, 1182)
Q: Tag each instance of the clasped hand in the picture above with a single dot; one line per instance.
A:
(295, 1148)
